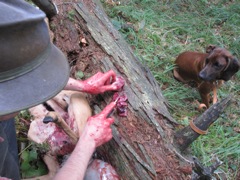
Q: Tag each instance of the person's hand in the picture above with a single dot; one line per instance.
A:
(98, 127)
(97, 84)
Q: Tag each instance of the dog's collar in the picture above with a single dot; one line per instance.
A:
(228, 63)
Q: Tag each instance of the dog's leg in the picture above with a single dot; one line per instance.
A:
(205, 101)
(215, 95)
(204, 91)
(216, 85)
(201, 106)
(177, 76)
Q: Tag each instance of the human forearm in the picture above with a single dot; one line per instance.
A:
(74, 85)
(76, 165)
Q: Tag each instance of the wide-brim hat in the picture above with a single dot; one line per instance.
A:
(32, 69)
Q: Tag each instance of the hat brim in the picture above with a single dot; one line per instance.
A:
(36, 86)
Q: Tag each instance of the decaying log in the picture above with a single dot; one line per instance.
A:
(186, 136)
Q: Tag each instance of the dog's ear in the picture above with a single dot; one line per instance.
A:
(232, 67)
(210, 48)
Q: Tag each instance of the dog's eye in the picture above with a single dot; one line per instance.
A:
(207, 61)
(216, 64)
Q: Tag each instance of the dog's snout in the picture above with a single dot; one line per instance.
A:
(202, 75)
(205, 76)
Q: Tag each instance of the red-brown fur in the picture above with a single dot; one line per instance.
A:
(206, 69)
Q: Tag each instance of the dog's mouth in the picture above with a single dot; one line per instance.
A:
(202, 75)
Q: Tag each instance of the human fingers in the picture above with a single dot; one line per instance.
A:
(109, 77)
(119, 83)
(114, 86)
(108, 109)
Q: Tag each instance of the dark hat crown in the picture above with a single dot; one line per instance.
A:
(24, 39)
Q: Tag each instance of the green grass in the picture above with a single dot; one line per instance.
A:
(163, 29)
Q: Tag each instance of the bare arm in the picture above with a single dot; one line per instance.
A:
(77, 163)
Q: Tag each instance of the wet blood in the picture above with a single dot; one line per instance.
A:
(121, 103)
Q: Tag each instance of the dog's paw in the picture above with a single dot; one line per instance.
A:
(202, 107)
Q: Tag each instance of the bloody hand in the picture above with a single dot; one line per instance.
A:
(101, 82)
(98, 126)
(97, 84)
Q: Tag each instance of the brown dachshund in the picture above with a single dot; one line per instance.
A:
(206, 69)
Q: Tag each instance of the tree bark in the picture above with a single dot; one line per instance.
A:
(142, 144)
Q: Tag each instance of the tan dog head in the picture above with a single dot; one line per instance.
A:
(220, 64)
